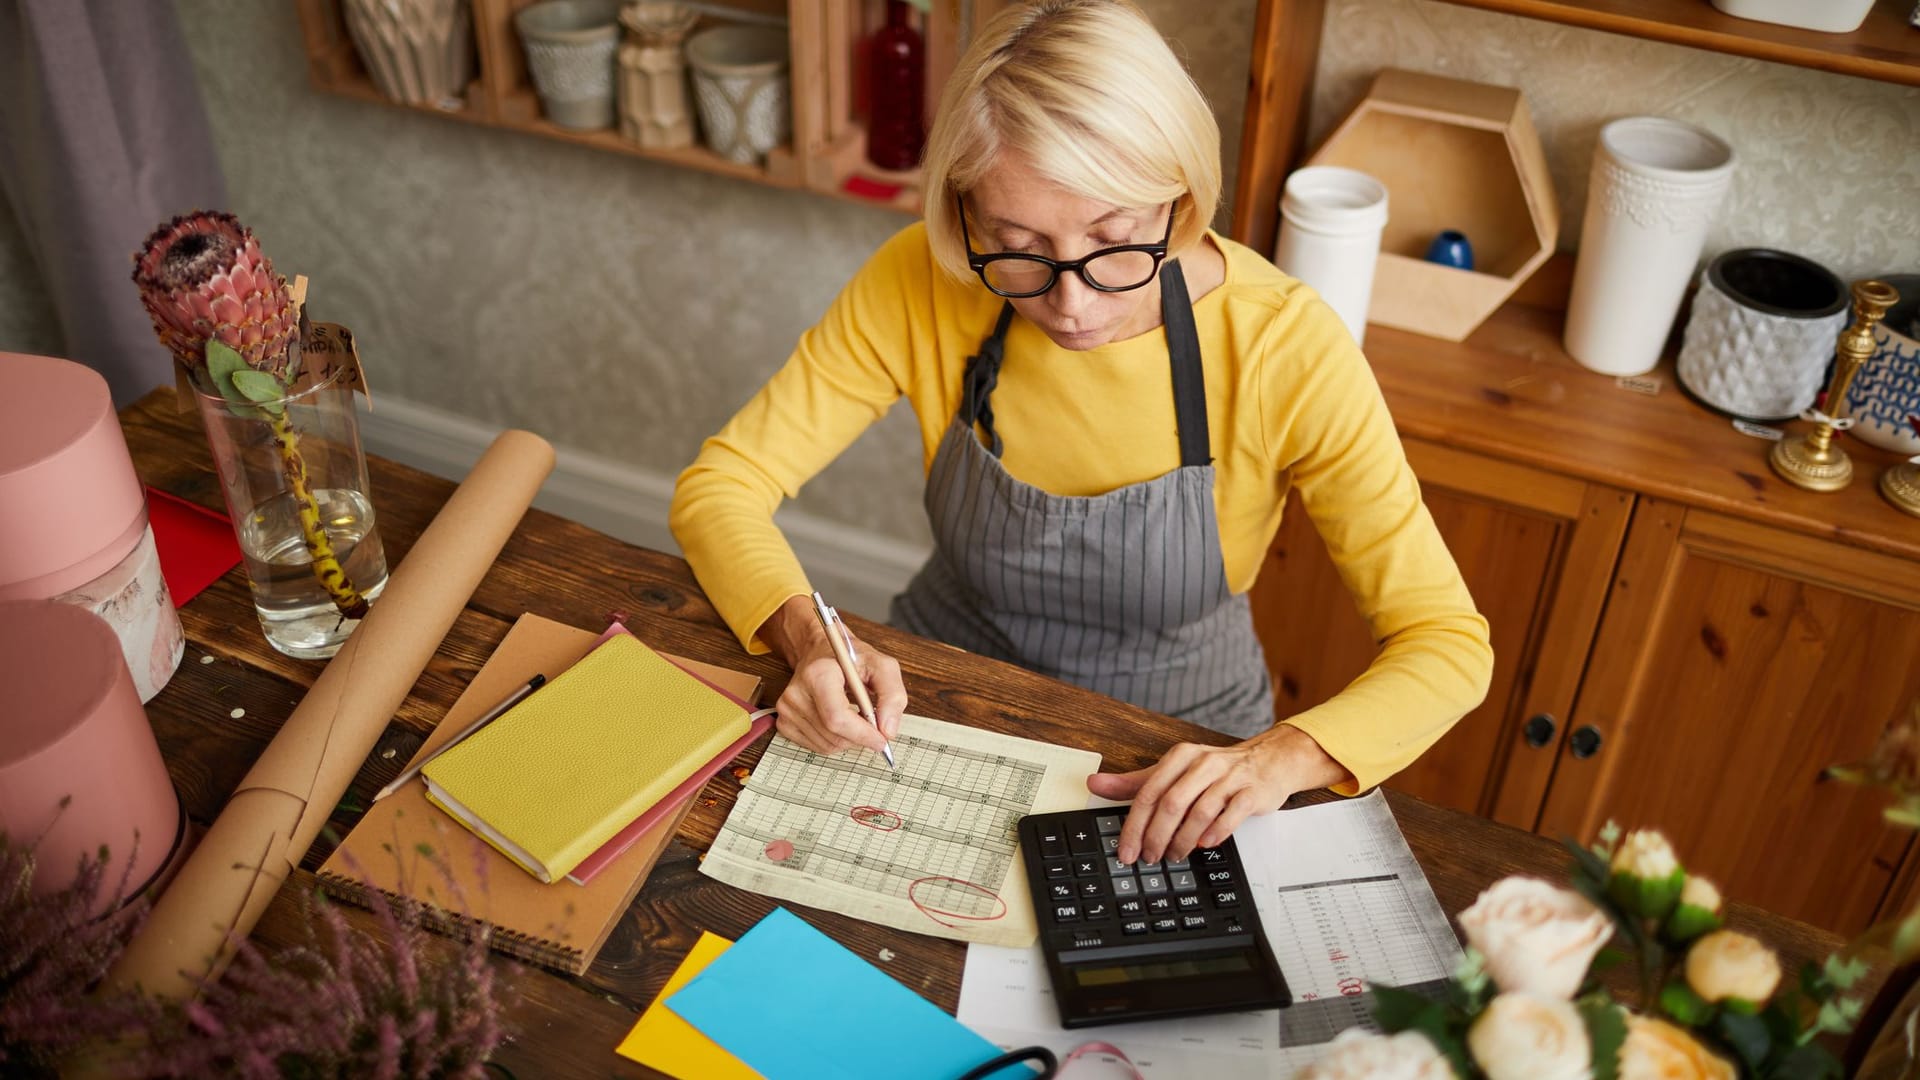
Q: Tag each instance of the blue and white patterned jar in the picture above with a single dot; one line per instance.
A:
(1885, 394)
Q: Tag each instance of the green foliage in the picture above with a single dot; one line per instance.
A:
(1606, 1030)
(1679, 1001)
(1444, 1021)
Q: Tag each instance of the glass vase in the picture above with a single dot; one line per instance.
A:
(897, 82)
(295, 481)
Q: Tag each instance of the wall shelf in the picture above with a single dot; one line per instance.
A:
(827, 148)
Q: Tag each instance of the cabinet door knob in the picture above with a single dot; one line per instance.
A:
(1539, 730)
(1585, 741)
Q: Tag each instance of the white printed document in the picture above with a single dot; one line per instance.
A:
(1343, 903)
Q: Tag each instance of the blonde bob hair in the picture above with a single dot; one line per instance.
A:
(1087, 92)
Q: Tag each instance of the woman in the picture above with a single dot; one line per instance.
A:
(1114, 402)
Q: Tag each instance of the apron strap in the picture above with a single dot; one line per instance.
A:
(1189, 376)
(983, 372)
(1183, 348)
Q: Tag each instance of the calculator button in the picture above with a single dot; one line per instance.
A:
(1134, 926)
(1126, 886)
(1058, 868)
(1106, 824)
(1109, 845)
(1232, 925)
(1066, 912)
(1097, 910)
(1209, 856)
(1153, 884)
(1226, 898)
(1131, 907)
(1189, 902)
(1166, 925)
(1179, 864)
(1082, 939)
(1060, 890)
(1218, 877)
(1086, 866)
(1159, 905)
(1182, 881)
(1193, 922)
(1149, 868)
(1082, 840)
(1117, 868)
(1092, 888)
(1053, 842)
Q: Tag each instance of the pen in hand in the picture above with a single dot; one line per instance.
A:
(841, 639)
(479, 722)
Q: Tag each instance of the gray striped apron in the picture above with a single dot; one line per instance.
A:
(1123, 593)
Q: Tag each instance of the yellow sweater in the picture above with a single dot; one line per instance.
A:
(1291, 403)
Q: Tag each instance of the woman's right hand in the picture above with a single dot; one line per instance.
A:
(815, 710)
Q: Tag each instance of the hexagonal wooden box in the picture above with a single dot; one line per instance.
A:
(1453, 155)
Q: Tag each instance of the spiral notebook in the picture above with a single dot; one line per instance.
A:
(410, 851)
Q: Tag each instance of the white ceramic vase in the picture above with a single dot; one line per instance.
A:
(1330, 224)
(1655, 188)
(1761, 334)
(570, 48)
(417, 51)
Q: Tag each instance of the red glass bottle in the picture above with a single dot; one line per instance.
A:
(896, 129)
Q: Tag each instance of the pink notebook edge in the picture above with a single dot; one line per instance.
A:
(615, 846)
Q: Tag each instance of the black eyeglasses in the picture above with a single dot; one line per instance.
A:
(1018, 275)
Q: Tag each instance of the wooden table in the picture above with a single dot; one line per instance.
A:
(562, 1026)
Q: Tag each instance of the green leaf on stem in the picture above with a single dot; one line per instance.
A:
(1399, 1010)
(1746, 1035)
(1810, 1062)
(260, 388)
(1607, 959)
(1606, 1030)
(1679, 1001)
(1843, 972)
(222, 362)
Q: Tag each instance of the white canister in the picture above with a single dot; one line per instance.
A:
(1655, 188)
(1762, 332)
(1330, 224)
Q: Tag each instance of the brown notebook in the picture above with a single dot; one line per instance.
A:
(408, 849)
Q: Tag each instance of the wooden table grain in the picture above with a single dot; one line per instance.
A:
(563, 1026)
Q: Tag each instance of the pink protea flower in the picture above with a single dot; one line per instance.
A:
(202, 276)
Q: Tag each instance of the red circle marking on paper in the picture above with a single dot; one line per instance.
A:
(936, 914)
(780, 850)
(873, 817)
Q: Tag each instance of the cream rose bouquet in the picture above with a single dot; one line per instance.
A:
(1527, 1003)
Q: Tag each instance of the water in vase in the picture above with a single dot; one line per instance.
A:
(299, 617)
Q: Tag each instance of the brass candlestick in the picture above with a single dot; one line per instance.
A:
(1811, 461)
(1900, 485)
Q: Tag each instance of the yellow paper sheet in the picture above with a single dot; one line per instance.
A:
(661, 1040)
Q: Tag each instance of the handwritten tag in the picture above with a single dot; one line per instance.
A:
(1758, 431)
(328, 347)
(1639, 384)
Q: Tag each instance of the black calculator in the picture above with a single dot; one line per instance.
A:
(1138, 941)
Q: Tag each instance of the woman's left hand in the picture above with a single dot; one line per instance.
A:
(1195, 796)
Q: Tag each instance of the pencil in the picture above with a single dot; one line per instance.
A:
(484, 719)
(841, 639)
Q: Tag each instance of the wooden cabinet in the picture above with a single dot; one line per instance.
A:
(1536, 549)
(1681, 639)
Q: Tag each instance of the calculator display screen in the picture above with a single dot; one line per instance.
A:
(1115, 974)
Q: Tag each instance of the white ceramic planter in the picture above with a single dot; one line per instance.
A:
(1655, 188)
(1761, 334)
(740, 85)
(419, 52)
(1330, 224)
(1831, 16)
(570, 48)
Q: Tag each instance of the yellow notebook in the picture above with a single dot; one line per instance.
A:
(558, 774)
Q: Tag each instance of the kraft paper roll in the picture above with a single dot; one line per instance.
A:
(281, 805)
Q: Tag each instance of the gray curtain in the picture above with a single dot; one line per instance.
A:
(102, 138)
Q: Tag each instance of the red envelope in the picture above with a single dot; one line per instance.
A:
(196, 544)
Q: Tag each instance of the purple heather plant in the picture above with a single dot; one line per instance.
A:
(52, 950)
(343, 1003)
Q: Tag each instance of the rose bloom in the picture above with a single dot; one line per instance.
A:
(1531, 1037)
(1657, 1050)
(1537, 938)
(1726, 964)
(1357, 1055)
(1645, 854)
(1700, 893)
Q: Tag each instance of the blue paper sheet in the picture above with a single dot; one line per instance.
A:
(794, 1004)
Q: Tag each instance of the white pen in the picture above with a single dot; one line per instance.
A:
(841, 639)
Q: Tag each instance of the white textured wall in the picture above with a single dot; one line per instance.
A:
(625, 308)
